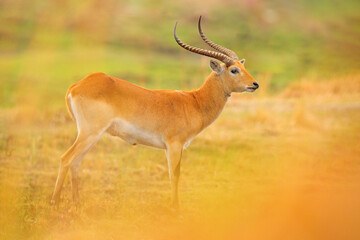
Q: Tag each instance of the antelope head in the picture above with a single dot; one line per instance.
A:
(232, 70)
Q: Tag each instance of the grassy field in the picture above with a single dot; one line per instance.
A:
(280, 167)
(281, 163)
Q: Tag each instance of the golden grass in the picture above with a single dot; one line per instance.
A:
(283, 167)
(344, 86)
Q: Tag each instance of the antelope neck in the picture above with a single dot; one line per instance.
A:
(211, 97)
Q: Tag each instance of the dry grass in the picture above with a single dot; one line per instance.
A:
(345, 86)
(284, 167)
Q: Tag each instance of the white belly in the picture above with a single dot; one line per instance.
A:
(134, 134)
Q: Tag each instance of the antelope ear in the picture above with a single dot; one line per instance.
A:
(216, 67)
(242, 61)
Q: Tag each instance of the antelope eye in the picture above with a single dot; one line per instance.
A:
(234, 71)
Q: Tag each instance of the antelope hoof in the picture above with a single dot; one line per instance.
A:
(175, 206)
(54, 202)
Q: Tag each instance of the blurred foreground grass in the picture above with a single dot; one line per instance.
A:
(280, 167)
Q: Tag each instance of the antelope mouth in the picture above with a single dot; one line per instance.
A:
(251, 89)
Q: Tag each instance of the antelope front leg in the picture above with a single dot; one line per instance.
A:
(173, 154)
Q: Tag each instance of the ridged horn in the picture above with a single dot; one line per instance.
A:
(222, 49)
(219, 56)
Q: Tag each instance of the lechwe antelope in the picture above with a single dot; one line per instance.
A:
(164, 119)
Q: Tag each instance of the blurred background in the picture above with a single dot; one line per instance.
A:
(281, 162)
(52, 44)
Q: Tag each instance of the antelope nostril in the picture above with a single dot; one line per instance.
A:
(256, 84)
